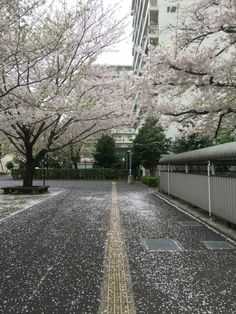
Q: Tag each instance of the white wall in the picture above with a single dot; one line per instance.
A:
(4, 161)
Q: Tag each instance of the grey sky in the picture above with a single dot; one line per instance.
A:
(122, 53)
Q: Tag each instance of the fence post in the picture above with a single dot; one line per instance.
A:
(186, 168)
(209, 187)
(159, 175)
(213, 170)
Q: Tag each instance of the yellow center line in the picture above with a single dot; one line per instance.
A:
(117, 295)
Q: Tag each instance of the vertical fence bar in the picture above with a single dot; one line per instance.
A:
(186, 168)
(209, 187)
(213, 170)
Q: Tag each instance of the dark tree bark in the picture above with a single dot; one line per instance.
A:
(74, 156)
(75, 164)
(31, 161)
(29, 173)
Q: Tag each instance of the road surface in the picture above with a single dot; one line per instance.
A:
(90, 249)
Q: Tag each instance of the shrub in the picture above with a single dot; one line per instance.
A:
(75, 174)
(150, 181)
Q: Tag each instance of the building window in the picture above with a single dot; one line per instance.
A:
(154, 41)
(135, 109)
(153, 17)
(172, 9)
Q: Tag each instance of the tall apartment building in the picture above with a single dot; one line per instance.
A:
(123, 136)
(153, 22)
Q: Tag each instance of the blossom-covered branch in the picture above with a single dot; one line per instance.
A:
(195, 77)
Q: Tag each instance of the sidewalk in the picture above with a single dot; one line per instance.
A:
(200, 214)
(178, 264)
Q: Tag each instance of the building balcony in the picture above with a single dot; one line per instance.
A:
(153, 31)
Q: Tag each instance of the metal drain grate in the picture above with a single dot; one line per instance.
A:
(162, 245)
(219, 245)
(190, 223)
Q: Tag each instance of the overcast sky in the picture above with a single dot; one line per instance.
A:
(122, 53)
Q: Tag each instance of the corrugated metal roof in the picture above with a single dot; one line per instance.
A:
(223, 152)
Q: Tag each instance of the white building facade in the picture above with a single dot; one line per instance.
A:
(154, 23)
(123, 136)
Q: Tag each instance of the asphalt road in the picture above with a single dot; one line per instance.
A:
(52, 255)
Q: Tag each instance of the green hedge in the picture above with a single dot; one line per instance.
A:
(75, 174)
(150, 181)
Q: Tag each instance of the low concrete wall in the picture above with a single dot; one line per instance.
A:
(194, 189)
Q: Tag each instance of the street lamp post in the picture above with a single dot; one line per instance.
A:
(44, 170)
(130, 177)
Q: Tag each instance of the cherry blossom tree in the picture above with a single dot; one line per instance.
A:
(193, 80)
(13, 28)
(48, 82)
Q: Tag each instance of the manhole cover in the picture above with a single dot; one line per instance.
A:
(219, 245)
(190, 223)
(163, 245)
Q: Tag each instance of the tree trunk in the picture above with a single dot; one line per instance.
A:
(152, 171)
(75, 164)
(74, 156)
(28, 174)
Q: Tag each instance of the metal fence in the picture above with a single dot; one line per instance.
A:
(217, 195)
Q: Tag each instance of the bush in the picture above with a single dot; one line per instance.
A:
(75, 174)
(150, 181)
